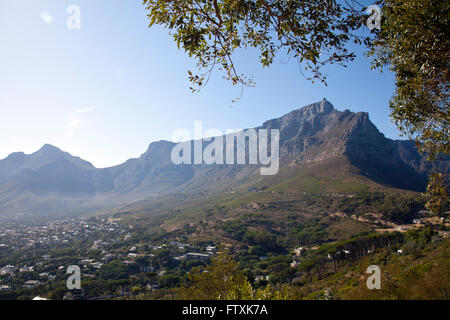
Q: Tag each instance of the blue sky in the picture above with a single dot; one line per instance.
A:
(106, 91)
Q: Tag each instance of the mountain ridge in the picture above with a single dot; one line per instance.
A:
(308, 135)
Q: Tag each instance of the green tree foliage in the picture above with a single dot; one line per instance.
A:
(170, 280)
(315, 32)
(421, 236)
(114, 270)
(396, 207)
(437, 196)
(413, 42)
(224, 280)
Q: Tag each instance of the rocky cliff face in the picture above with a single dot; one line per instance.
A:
(318, 132)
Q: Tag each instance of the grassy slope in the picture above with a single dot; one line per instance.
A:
(290, 199)
(414, 274)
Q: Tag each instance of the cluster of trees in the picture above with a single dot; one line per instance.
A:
(396, 208)
(262, 240)
(223, 279)
(328, 257)
(308, 232)
(409, 274)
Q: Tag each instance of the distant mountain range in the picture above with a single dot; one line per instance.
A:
(51, 182)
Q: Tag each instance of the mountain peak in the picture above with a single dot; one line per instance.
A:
(159, 143)
(323, 106)
(310, 110)
(49, 152)
(16, 155)
(48, 148)
(158, 148)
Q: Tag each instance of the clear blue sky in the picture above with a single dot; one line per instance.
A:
(106, 91)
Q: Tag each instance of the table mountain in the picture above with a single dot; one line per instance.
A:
(51, 182)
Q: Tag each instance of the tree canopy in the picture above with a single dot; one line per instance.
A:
(224, 280)
(414, 44)
(315, 32)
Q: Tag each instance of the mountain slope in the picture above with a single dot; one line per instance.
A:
(51, 181)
